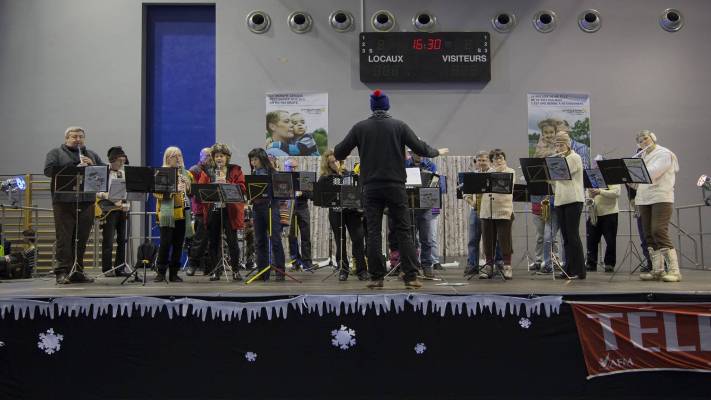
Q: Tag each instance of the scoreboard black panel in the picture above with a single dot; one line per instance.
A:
(424, 57)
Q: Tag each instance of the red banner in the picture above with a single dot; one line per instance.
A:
(619, 338)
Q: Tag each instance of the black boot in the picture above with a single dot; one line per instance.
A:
(216, 275)
(173, 274)
(160, 275)
(343, 274)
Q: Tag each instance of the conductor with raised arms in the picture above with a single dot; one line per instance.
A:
(381, 141)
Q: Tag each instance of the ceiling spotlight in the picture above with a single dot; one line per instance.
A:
(383, 21)
(341, 21)
(258, 21)
(671, 20)
(503, 22)
(300, 22)
(424, 21)
(589, 21)
(544, 21)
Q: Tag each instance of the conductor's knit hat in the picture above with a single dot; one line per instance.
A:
(379, 101)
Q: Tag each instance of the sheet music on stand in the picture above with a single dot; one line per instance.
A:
(414, 177)
(486, 182)
(258, 187)
(165, 180)
(91, 179)
(283, 185)
(305, 181)
(624, 170)
(593, 179)
(545, 169)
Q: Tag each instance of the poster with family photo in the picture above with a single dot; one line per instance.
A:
(549, 113)
(296, 124)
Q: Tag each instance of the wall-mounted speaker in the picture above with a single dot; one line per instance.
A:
(258, 21)
(341, 21)
(589, 21)
(545, 21)
(383, 21)
(671, 20)
(424, 21)
(503, 22)
(300, 22)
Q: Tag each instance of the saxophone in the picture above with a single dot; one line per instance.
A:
(546, 208)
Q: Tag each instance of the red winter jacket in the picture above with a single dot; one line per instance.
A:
(234, 210)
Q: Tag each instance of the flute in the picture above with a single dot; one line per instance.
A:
(639, 153)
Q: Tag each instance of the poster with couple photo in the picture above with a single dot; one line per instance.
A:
(549, 113)
(296, 124)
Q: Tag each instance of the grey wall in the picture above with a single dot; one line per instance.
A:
(79, 62)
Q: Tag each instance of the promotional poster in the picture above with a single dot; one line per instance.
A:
(549, 113)
(296, 124)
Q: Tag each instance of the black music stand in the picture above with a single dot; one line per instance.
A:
(538, 172)
(623, 171)
(266, 187)
(140, 181)
(219, 194)
(326, 195)
(117, 191)
(344, 194)
(78, 180)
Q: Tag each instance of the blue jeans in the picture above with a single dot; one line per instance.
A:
(433, 239)
(426, 242)
(475, 239)
(546, 233)
(261, 235)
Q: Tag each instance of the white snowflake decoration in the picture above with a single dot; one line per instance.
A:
(50, 342)
(343, 338)
(525, 323)
(250, 356)
(420, 348)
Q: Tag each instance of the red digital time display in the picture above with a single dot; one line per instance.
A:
(427, 44)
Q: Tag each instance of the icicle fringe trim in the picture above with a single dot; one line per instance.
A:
(228, 310)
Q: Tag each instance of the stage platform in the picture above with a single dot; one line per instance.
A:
(452, 283)
(452, 339)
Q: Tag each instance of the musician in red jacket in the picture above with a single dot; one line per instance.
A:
(232, 213)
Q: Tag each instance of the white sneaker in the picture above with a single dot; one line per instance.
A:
(508, 272)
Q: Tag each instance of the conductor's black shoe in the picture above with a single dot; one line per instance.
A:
(363, 275)
(236, 276)
(343, 275)
(175, 278)
(609, 268)
(375, 284)
(438, 266)
(592, 268)
(80, 277)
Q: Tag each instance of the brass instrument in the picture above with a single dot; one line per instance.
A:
(546, 208)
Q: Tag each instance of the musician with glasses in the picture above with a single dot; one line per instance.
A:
(64, 205)
(114, 215)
